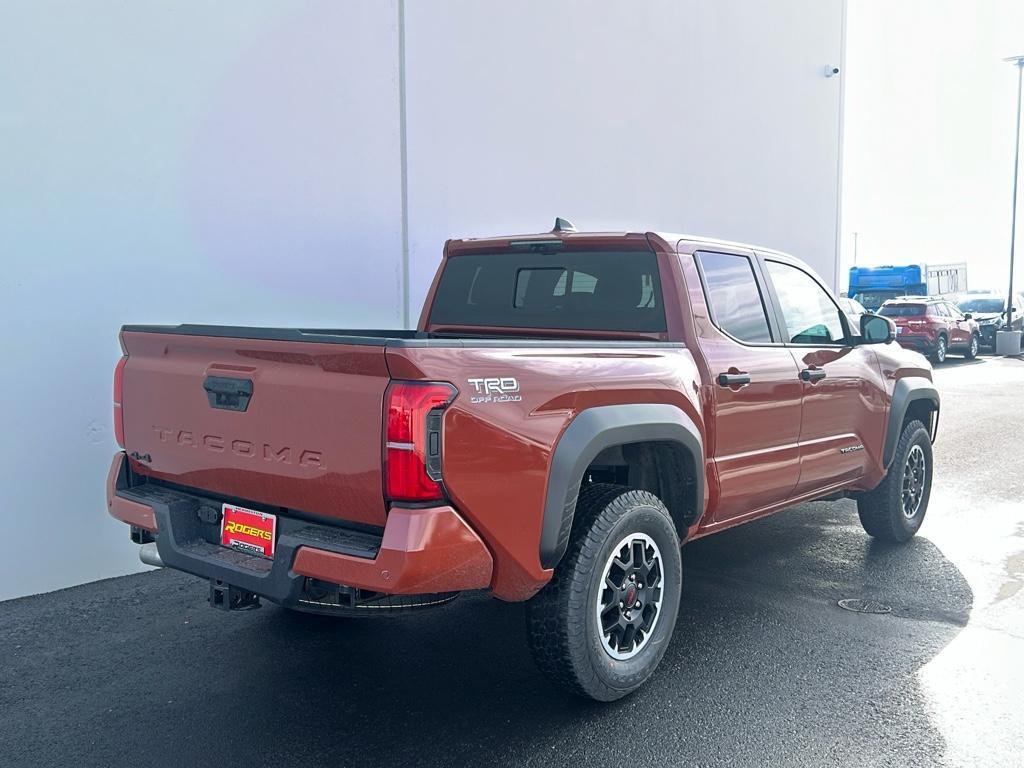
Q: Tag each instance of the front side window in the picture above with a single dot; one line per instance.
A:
(811, 315)
(734, 297)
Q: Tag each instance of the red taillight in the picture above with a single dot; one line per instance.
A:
(118, 391)
(412, 439)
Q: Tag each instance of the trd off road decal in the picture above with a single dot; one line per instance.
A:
(495, 389)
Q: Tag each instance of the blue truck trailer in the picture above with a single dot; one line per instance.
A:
(873, 286)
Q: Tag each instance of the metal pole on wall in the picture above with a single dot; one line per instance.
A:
(1019, 63)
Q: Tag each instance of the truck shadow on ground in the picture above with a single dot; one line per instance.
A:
(764, 668)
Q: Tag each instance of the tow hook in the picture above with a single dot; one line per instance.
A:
(225, 597)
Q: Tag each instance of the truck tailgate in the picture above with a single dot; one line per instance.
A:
(307, 438)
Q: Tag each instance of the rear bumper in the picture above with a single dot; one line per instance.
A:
(917, 343)
(421, 551)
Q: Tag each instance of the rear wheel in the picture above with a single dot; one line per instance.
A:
(939, 355)
(972, 349)
(895, 509)
(602, 624)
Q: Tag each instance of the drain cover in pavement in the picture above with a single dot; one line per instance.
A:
(857, 605)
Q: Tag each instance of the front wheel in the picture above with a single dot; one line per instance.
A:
(602, 624)
(895, 509)
(972, 350)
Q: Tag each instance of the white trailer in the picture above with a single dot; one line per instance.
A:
(944, 279)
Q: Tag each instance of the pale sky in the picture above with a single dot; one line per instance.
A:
(928, 135)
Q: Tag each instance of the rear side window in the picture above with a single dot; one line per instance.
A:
(575, 290)
(953, 312)
(901, 310)
(734, 297)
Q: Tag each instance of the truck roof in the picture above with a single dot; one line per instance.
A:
(670, 238)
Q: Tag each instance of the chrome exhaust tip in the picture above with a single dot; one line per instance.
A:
(149, 555)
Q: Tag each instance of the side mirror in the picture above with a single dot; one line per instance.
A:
(968, 316)
(875, 329)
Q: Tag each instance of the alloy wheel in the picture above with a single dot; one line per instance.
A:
(914, 474)
(629, 600)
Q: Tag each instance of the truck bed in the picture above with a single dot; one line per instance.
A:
(290, 420)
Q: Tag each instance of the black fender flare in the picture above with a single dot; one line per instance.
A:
(589, 433)
(907, 390)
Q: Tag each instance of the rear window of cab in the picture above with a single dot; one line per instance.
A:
(571, 290)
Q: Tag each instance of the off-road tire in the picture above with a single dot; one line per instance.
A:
(882, 509)
(941, 350)
(565, 638)
(972, 347)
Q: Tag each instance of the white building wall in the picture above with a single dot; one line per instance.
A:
(243, 164)
(166, 163)
(711, 118)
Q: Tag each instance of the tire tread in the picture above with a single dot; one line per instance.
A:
(557, 615)
(881, 509)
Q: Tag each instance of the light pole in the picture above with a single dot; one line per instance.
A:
(1014, 348)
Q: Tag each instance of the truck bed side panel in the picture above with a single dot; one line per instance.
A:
(498, 449)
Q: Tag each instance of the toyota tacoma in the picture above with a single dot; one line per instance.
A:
(571, 409)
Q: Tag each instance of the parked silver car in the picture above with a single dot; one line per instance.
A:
(989, 310)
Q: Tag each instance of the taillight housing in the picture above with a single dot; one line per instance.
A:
(118, 394)
(412, 439)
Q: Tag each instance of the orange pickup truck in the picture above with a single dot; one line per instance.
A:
(572, 408)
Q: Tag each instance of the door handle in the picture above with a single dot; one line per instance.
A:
(733, 379)
(812, 374)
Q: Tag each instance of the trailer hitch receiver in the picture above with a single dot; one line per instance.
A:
(225, 597)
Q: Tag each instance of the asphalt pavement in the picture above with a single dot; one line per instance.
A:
(765, 667)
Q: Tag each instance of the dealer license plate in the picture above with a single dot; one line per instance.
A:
(248, 530)
(899, 329)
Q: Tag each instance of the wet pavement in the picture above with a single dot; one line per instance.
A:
(764, 668)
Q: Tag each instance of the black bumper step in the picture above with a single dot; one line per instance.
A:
(189, 541)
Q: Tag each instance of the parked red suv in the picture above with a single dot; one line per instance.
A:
(933, 326)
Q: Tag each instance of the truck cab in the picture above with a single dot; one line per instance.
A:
(873, 286)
